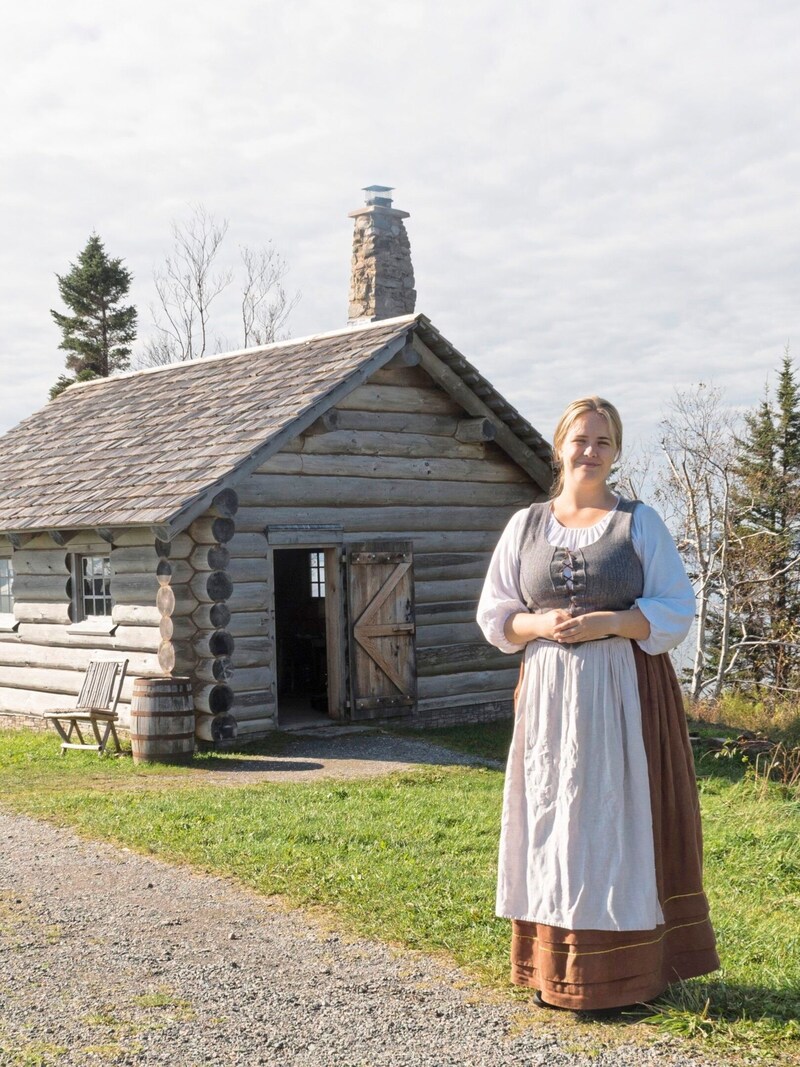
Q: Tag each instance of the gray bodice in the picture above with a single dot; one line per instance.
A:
(605, 576)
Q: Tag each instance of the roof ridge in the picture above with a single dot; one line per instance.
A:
(350, 328)
(162, 447)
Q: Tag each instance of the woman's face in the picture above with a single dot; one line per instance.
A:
(588, 452)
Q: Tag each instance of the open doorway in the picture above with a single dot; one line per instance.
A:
(301, 634)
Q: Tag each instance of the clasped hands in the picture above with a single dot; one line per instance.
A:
(560, 626)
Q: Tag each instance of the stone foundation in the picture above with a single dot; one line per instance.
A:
(10, 720)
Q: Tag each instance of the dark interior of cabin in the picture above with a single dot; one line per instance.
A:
(301, 655)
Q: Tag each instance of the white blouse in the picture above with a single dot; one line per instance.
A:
(667, 600)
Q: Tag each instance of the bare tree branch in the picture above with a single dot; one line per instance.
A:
(189, 282)
(265, 306)
(698, 444)
(186, 287)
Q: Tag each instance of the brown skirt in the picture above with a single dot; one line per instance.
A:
(594, 969)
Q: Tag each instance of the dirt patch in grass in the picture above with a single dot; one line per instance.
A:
(288, 758)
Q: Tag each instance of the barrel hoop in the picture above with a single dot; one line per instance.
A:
(162, 737)
(150, 713)
(162, 691)
(180, 730)
(172, 680)
(161, 694)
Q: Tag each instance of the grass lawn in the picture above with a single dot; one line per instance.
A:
(411, 858)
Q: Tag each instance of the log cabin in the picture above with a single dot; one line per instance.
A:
(301, 529)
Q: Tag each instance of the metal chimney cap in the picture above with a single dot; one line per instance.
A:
(376, 195)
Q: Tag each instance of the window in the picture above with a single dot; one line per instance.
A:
(6, 587)
(93, 591)
(317, 574)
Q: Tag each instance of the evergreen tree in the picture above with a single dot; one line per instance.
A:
(768, 536)
(63, 381)
(99, 333)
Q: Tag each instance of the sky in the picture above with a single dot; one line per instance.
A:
(603, 196)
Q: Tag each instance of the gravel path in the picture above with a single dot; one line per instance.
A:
(109, 957)
(340, 752)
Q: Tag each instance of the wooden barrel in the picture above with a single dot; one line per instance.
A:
(162, 720)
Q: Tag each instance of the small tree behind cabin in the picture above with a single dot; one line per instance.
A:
(696, 490)
(731, 491)
(101, 329)
(191, 280)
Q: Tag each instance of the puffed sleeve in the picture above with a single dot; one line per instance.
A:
(667, 601)
(501, 594)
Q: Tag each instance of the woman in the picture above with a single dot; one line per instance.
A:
(600, 864)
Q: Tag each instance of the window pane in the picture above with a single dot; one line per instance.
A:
(95, 586)
(317, 565)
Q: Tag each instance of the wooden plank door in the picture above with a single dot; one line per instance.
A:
(380, 588)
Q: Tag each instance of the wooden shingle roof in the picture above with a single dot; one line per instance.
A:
(153, 447)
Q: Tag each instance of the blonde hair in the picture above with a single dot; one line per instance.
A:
(574, 411)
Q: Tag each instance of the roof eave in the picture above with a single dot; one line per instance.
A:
(514, 434)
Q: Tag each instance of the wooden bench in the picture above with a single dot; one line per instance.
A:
(96, 707)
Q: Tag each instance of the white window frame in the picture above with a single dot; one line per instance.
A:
(316, 573)
(7, 621)
(86, 623)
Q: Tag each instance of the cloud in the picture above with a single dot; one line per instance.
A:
(602, 198)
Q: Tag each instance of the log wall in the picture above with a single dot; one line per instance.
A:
(170, 615)
(253, 626)
(43, 661)
(399, 460)
(196, 585)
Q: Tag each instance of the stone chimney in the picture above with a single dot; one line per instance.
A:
(382, 278)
